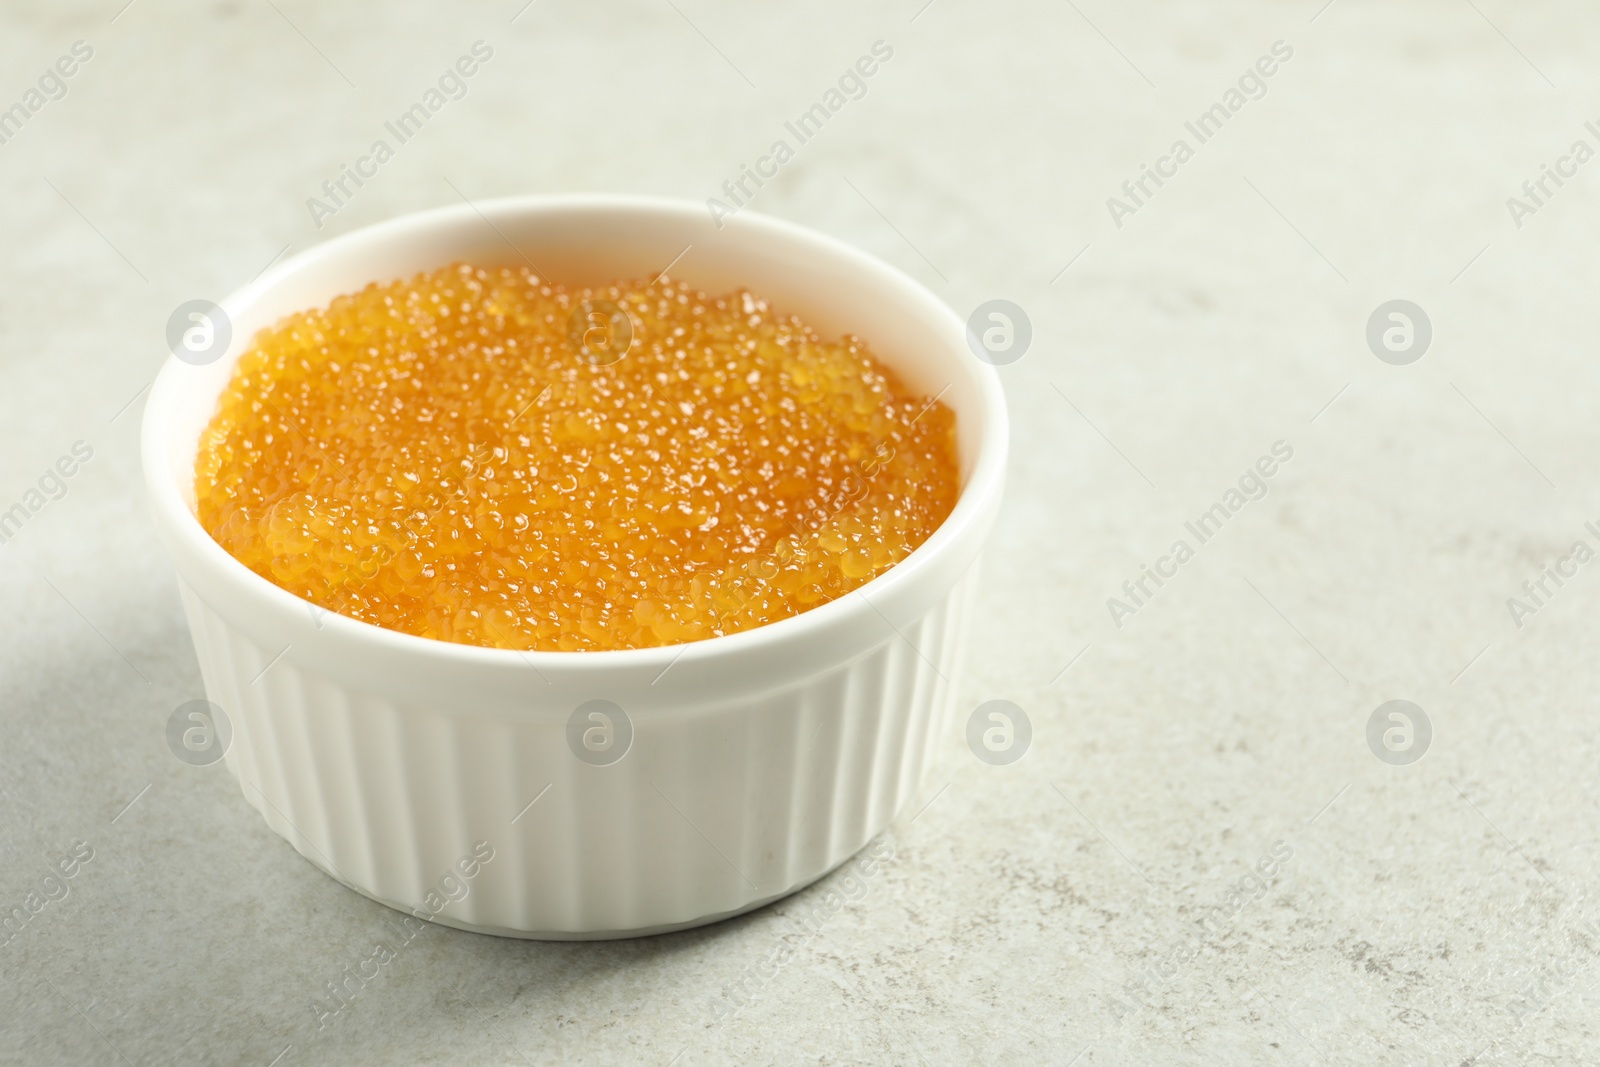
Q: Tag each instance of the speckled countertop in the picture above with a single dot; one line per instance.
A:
(1202, 858)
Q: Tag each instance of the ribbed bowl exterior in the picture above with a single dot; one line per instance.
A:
(712, 811)
(451, 781)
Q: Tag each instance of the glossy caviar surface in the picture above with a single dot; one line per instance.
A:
(479, 456)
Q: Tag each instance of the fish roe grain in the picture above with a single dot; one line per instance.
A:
(449, 456)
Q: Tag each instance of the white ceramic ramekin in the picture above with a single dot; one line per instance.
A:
(758, 761)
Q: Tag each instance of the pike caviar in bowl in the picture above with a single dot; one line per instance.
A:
(550, 595)
(484, 456)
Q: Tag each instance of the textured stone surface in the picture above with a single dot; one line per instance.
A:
(1430, 913)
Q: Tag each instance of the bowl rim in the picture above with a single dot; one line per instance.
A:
(975, 506)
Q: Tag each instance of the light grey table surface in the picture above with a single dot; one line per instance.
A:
(1047, 911)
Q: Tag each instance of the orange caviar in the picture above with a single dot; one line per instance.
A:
(480, 456)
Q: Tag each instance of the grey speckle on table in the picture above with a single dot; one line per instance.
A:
(1206, 855)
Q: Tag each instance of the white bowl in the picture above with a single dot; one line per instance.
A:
(759, 761)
